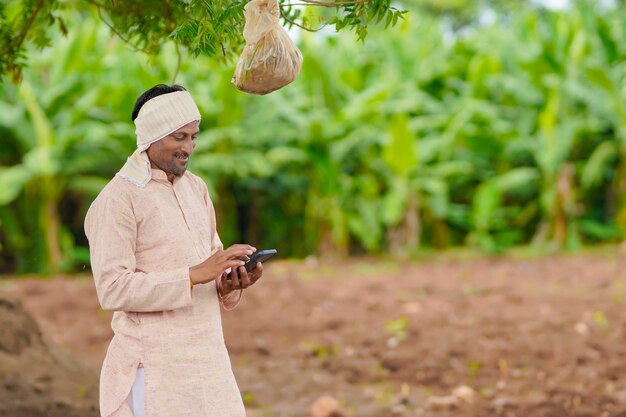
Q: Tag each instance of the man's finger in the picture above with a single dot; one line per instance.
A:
(224, 282)
(241, 249)
(238, 254)
(256, 273)
(244, 278)
(234, 278)
(233, 263)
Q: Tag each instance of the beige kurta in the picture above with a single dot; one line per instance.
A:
(142, 243)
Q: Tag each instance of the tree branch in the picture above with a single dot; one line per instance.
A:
(26, 28)
(223, 48)
(299, 25)
(323, 3)
(119, 34)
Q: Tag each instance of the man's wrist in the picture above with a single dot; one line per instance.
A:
(194, 279)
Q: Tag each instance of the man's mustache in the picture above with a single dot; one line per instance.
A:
(181, 154)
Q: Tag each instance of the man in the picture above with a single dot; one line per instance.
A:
(158, 263)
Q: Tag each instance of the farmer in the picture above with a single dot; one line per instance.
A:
(159, 264)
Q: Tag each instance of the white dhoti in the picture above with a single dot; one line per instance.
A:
(135, 399)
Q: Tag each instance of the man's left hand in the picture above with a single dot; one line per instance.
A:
(240, 279)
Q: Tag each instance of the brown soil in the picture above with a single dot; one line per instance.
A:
(37, 379)
(465, 338)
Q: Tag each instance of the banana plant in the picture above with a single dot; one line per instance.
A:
(562, 131)
(59, 125)
(497, 225)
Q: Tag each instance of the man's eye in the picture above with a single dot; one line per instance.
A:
(194, 137)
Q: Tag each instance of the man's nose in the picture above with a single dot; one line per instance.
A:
(188, 145)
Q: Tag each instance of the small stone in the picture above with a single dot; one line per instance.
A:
(465, 394)
(501, 402)
(444, 402)
(582, 328)
(412, 307)
(392, 343)
(326, 406)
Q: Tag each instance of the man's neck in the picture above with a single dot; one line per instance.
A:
(170, 177)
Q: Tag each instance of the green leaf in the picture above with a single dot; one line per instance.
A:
(599, 164)
(600, 77)
(365, 225)
(89, 185)
(12, 181)
(598, 230)
(485, 204)
(515, 179)
(399, 153)
(394, 202)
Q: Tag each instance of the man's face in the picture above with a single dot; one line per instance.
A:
(171, 154)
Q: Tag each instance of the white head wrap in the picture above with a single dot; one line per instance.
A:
(157, 118)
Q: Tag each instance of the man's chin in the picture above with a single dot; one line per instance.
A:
(178, 170)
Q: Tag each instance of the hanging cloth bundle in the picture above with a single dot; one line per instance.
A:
(270, 59)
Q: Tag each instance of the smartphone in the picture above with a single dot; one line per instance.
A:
(260, 256)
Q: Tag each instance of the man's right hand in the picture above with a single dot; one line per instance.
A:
(219, 262)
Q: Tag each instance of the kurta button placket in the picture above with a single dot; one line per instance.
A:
(187, 218)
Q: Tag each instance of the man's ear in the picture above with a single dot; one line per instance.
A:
(149, 152)
(150, 148)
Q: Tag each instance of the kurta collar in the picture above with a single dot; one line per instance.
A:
(161, 176)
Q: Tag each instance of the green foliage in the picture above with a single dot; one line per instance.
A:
(212, 28)
(56, 151)
(507, 134)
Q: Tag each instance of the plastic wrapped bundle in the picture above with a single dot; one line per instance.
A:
(270, 59)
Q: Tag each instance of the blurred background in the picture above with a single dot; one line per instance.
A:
(489, 127)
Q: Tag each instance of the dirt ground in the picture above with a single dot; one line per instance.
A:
(443, 337)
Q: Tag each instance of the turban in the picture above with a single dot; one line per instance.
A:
(158, 117)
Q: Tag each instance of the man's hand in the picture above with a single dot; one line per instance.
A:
(220, 261)
(239, 279)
